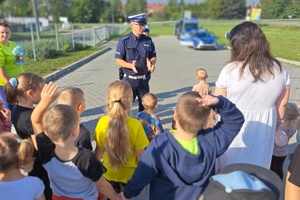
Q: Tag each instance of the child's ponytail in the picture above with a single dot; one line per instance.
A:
(11, 90)
(15, 153)
(25, 154)
(117, 143)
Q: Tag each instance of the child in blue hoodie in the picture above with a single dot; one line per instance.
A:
(179, 164)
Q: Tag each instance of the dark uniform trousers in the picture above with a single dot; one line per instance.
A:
(139, 88)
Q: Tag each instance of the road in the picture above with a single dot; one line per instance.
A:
(174, 75)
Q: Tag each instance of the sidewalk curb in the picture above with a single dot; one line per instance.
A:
(59, 73)
(292, 62)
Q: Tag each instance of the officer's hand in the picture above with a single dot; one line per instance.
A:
(149, 64)
(133, 67)
(152, 68)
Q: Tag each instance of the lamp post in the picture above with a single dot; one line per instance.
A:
(112, 11)
(37, 24)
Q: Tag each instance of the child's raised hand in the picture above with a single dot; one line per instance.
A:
(207, 100)
(49, 92)
(6, 114)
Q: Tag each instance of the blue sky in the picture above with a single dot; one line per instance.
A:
(192, 1)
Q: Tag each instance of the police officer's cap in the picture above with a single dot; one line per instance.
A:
(139, 18)
(147, 28)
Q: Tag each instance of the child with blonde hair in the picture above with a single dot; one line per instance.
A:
(120, 138)
(74, 97)
(289, 127)
(74, 172)
(25, 92)
(16, 154)
(149, 120)
(178, 165)
(202, 86)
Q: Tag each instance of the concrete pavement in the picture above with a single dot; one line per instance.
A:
(174, 75)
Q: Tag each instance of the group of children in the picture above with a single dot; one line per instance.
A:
(54, 146)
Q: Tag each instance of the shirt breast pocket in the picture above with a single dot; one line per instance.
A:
(130, 54)
(147, 50)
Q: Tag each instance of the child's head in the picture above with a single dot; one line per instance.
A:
(60, 121)
(27, 86)
(149, 101)
(190, 115)
(15, 153)
(201, 74)
(119, 99)
(74, 97)
(291, 112)
(117, 144)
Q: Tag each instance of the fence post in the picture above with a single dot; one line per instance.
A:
(32, 40)
(56, 35)
(73, 42)
(94, 36)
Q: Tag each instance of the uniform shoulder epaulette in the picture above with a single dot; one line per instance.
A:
(125, 37)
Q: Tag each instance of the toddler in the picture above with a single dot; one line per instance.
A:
(120, 139)
(150, 121)
(291, 118)
(74, 97)
(202, 86)
(16, 154)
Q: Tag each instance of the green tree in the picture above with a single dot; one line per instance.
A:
(54, 8)
(213, 8)
(233, 9)
(134, 7)
(292, 10)
(17, 8)
(272, 9)
(85, 11)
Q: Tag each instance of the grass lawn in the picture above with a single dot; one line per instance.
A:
(48, 66)
(284, 40)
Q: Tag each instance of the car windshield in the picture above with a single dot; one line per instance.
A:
(203, 34)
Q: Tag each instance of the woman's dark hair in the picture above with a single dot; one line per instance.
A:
(251, 47)
(4, 23)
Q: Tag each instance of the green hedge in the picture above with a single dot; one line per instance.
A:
(47, 48)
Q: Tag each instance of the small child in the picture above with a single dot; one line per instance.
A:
(291, 118)
(179, 165)
(202, 86)
(74, 97)
(16, 154)
(25, 91)
(150, 121)
(120, 139)
(74, 172)
(5, 118)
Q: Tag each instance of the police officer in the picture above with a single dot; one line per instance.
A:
(146, 30)
(136, 55)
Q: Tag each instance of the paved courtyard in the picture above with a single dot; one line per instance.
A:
(174, 75)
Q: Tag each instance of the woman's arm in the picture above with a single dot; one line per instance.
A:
(220, 91)
(281, 103)
(292, 192)
(3, 75)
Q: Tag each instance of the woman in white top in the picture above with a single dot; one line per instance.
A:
(259, 86)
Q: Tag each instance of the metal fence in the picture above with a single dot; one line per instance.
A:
(94, 36)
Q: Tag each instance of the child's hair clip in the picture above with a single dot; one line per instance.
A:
(19, 140)
(13, 82)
